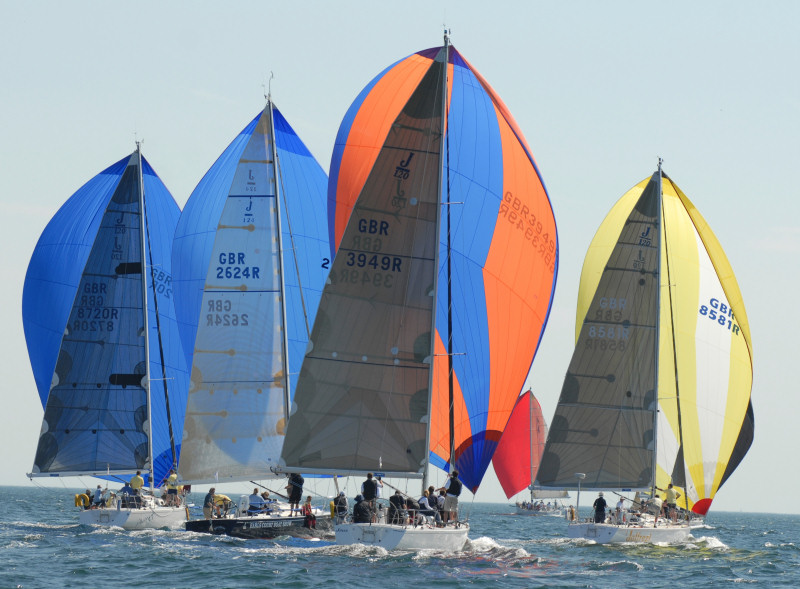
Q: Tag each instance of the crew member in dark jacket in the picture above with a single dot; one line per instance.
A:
(599, 509)
(362, 514)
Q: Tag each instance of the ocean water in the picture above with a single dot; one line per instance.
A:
(42, 545)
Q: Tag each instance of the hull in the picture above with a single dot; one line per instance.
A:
(256, 527)
(550, 512)
(394, 537)
(614, 534)
(146, 518)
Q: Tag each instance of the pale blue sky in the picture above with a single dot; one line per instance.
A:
(600, 90)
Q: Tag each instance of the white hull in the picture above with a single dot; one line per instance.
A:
(396, 537)
(145, 518)
(613, 534)
(552, 512)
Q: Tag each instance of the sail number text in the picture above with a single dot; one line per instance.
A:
(232, 266)
(720, 313)
(364, 263)
(607, 337)
(374, 261)
(611, 309)
(524, 220)
(91, 314)
(372, 229)
(218, 314)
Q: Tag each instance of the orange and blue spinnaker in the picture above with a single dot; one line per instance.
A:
(503, 251)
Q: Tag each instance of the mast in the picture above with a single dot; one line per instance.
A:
(658, 333)
(446, 51)
(451, 401)
(278, 193)
(146, 328)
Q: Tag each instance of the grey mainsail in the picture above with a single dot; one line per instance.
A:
(362, 397)
(605, 419)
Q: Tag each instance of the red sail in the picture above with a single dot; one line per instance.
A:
(517, 457)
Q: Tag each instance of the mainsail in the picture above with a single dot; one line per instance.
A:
(446, 253)
(84, 317)
(605, 423)
(516, 460)
(250, 258)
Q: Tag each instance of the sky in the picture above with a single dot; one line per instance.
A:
(601, 90)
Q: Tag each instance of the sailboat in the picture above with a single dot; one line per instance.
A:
(438, 294)
(250, 258)
(103, 343)
(658, 388)
(516, 460)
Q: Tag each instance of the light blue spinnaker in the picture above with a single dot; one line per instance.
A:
(251, 254)
(84, 324)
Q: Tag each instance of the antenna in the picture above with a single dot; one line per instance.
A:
(660, 161)
(268, 88)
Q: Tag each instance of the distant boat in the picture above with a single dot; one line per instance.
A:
(516, 460)
(102, 339)
(438, 294)
(251, 254)
(658, 388)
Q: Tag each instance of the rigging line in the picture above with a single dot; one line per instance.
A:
(158, 333)
(674, 357)
(279, 185)
(270, 490)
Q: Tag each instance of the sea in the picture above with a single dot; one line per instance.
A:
(42, 545)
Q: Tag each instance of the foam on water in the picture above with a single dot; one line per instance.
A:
(44, 544)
